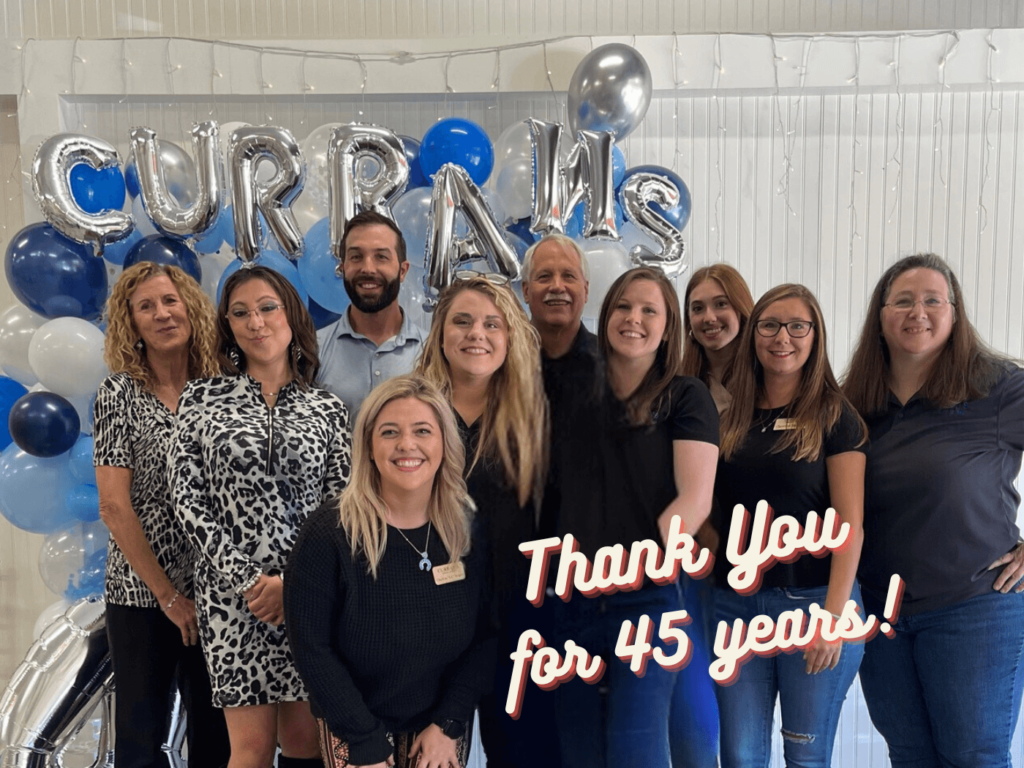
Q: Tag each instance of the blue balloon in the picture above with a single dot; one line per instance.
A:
(44, 424)
(460, 141)
(97, 191)
(84, 503)
(521, 229)
(165, 250)
(131, 179)
(55, 276)
(222, 232)
(679, 214)
(317, 269)
(577, 222)
(34, 490)
(10, 392)
(116, 251)
(618, 166)
(272, 260)
(322, 317)
(412, 154)
(80, 462)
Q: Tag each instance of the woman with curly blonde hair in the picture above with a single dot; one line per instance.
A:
(383, 595)
(484, 356)
(160, 335)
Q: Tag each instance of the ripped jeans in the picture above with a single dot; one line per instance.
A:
(810, 703)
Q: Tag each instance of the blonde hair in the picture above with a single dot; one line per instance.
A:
(361, 510)
(121, 350)
(818, 404)
(514, 425)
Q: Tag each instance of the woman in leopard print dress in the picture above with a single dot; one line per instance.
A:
(160, 334)
(255, 452)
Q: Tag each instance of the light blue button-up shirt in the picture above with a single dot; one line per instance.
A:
(351, 364)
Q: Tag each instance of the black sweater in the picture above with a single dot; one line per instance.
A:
(389, 655)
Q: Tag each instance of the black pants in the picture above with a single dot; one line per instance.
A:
(148, 658)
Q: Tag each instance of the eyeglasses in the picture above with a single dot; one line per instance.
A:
(796, 329)
(930, 304)
(494, 278)
(266, 311)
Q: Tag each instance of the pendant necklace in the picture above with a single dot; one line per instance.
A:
(425, 564)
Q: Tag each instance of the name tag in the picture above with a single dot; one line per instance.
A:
(785, 424)
(446, 574)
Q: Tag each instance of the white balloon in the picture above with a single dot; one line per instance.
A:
(607, 259)
(49, 615)
(17, 327)
(307, 211)
(314, 151)
(515, 185)
(67, 356)
(513, 144)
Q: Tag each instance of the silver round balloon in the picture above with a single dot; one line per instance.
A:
(352, 191)
(455, 191)
(639, 190)
(272, 198)
(609, 91)
(50, 168)
(169, 215)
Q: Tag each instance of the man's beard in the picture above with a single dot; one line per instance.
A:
(387, 296)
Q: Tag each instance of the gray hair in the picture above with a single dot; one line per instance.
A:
(565, 242)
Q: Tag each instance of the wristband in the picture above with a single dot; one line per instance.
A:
(167, 607)
(250, 583)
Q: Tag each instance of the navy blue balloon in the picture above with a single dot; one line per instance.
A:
(460, 141)
(322, 317)
(55, 276)
(679, 214)
(412, 154)
(131, 179)
(165, 250)
(97, 191)
(521, 228)
(10, 392)
(44, 424)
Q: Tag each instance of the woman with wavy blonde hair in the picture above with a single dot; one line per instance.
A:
(160, 335)
(484, 356)
(383, 595)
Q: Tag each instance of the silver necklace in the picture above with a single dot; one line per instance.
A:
(425, 564)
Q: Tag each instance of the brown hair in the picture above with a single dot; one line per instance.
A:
(966, 369)
(695, 359)
(646, 400)
(121, 351)
(367, 218)
(514, 426)
(302, 359)
(818, 404)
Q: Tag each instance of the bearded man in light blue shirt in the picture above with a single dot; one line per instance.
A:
(374, 339)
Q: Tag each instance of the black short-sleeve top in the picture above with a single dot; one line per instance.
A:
(133, 429)
(623, 477)
(790, 487)
(940, 503)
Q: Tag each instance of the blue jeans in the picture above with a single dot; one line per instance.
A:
(810, 703)
(946, 690)
(694, 721)
(631, 712)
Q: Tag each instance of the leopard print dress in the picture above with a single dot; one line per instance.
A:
(244, 477)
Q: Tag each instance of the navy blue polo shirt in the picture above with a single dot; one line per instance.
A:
(940, 503)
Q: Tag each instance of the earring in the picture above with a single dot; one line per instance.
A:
(690, 333)
(296, 353)
(233, 356)
(140, 345)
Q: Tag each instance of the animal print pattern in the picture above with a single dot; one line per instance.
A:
(133, 429)
(244, 478)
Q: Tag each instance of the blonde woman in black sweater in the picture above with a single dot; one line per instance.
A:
(382, 595)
